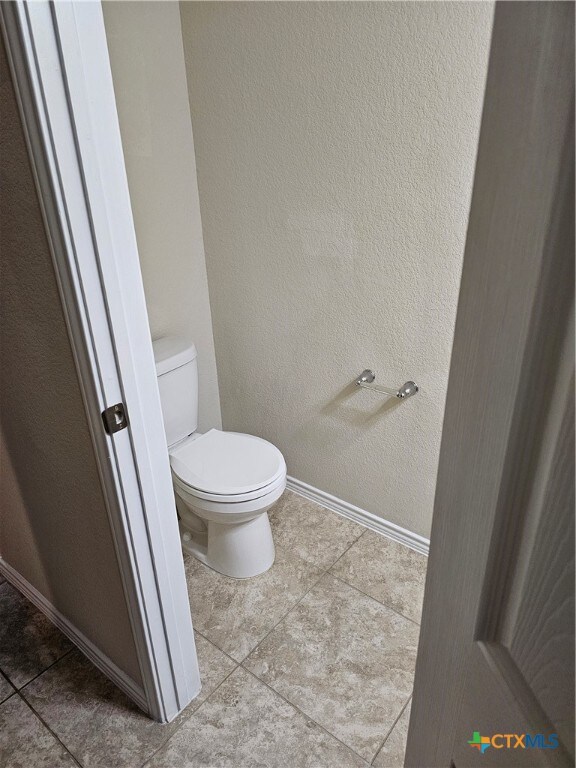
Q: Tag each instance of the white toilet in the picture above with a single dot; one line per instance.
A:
(224, 482)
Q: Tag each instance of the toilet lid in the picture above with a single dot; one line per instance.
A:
(227, 463)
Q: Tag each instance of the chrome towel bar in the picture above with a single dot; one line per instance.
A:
(367, 376)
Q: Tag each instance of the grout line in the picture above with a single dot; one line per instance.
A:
(307, 716)
(364, 528)
(10, 695)
(326, 571)
(361, 590)
(323, 572)
(292, 607)
(380, 602)
(74, 648)
(193, 712)
(340, 556)
(10, 683)
(289, 611)
(21, 693)
(198, 632)
(391, 729)
(45, 724)
(280, 620)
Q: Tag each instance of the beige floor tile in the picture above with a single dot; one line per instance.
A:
(387, 571)
(25, 742)
(29, 643)
(392, 753)
(246, 725)
(6, 689)
(345, 660)
(97, 722)
(236, 614)
(315, 534)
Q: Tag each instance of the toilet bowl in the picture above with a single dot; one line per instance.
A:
(224, 482)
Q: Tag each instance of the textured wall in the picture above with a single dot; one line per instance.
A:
(147, 60)
(54, 527)
(335, 149)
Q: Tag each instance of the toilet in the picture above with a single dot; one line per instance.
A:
(224, 482)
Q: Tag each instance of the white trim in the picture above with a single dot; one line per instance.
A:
(59, 60)
(96, 656)
(368, 519)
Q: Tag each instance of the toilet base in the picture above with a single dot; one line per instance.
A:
(239, 550)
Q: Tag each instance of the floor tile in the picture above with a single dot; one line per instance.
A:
(236, 614)
(243, 725)
(392, 753)
(315, 534)
(387, 571)
(345, 660)
(214, 667)
(29, 643)
(97, 722)
(25, 742)
(5, 689)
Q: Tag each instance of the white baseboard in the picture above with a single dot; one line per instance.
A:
(99, 659)
(369, 520)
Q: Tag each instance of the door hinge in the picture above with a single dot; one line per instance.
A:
(115, 418)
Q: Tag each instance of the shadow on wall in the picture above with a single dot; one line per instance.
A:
(345, 407)
(341, 407)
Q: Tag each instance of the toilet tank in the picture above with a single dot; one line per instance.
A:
(177, 372)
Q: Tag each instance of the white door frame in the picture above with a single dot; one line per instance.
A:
(59, 61)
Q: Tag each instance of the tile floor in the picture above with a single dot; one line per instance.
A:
(309, 665)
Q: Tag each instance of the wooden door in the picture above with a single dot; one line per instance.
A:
(495, 673)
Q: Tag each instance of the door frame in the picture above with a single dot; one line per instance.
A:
(58, 57)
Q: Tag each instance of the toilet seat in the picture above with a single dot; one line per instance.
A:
(227, 509)
(227, 466)
(229, 499)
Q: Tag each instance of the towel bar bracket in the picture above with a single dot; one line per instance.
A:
(367, 376)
